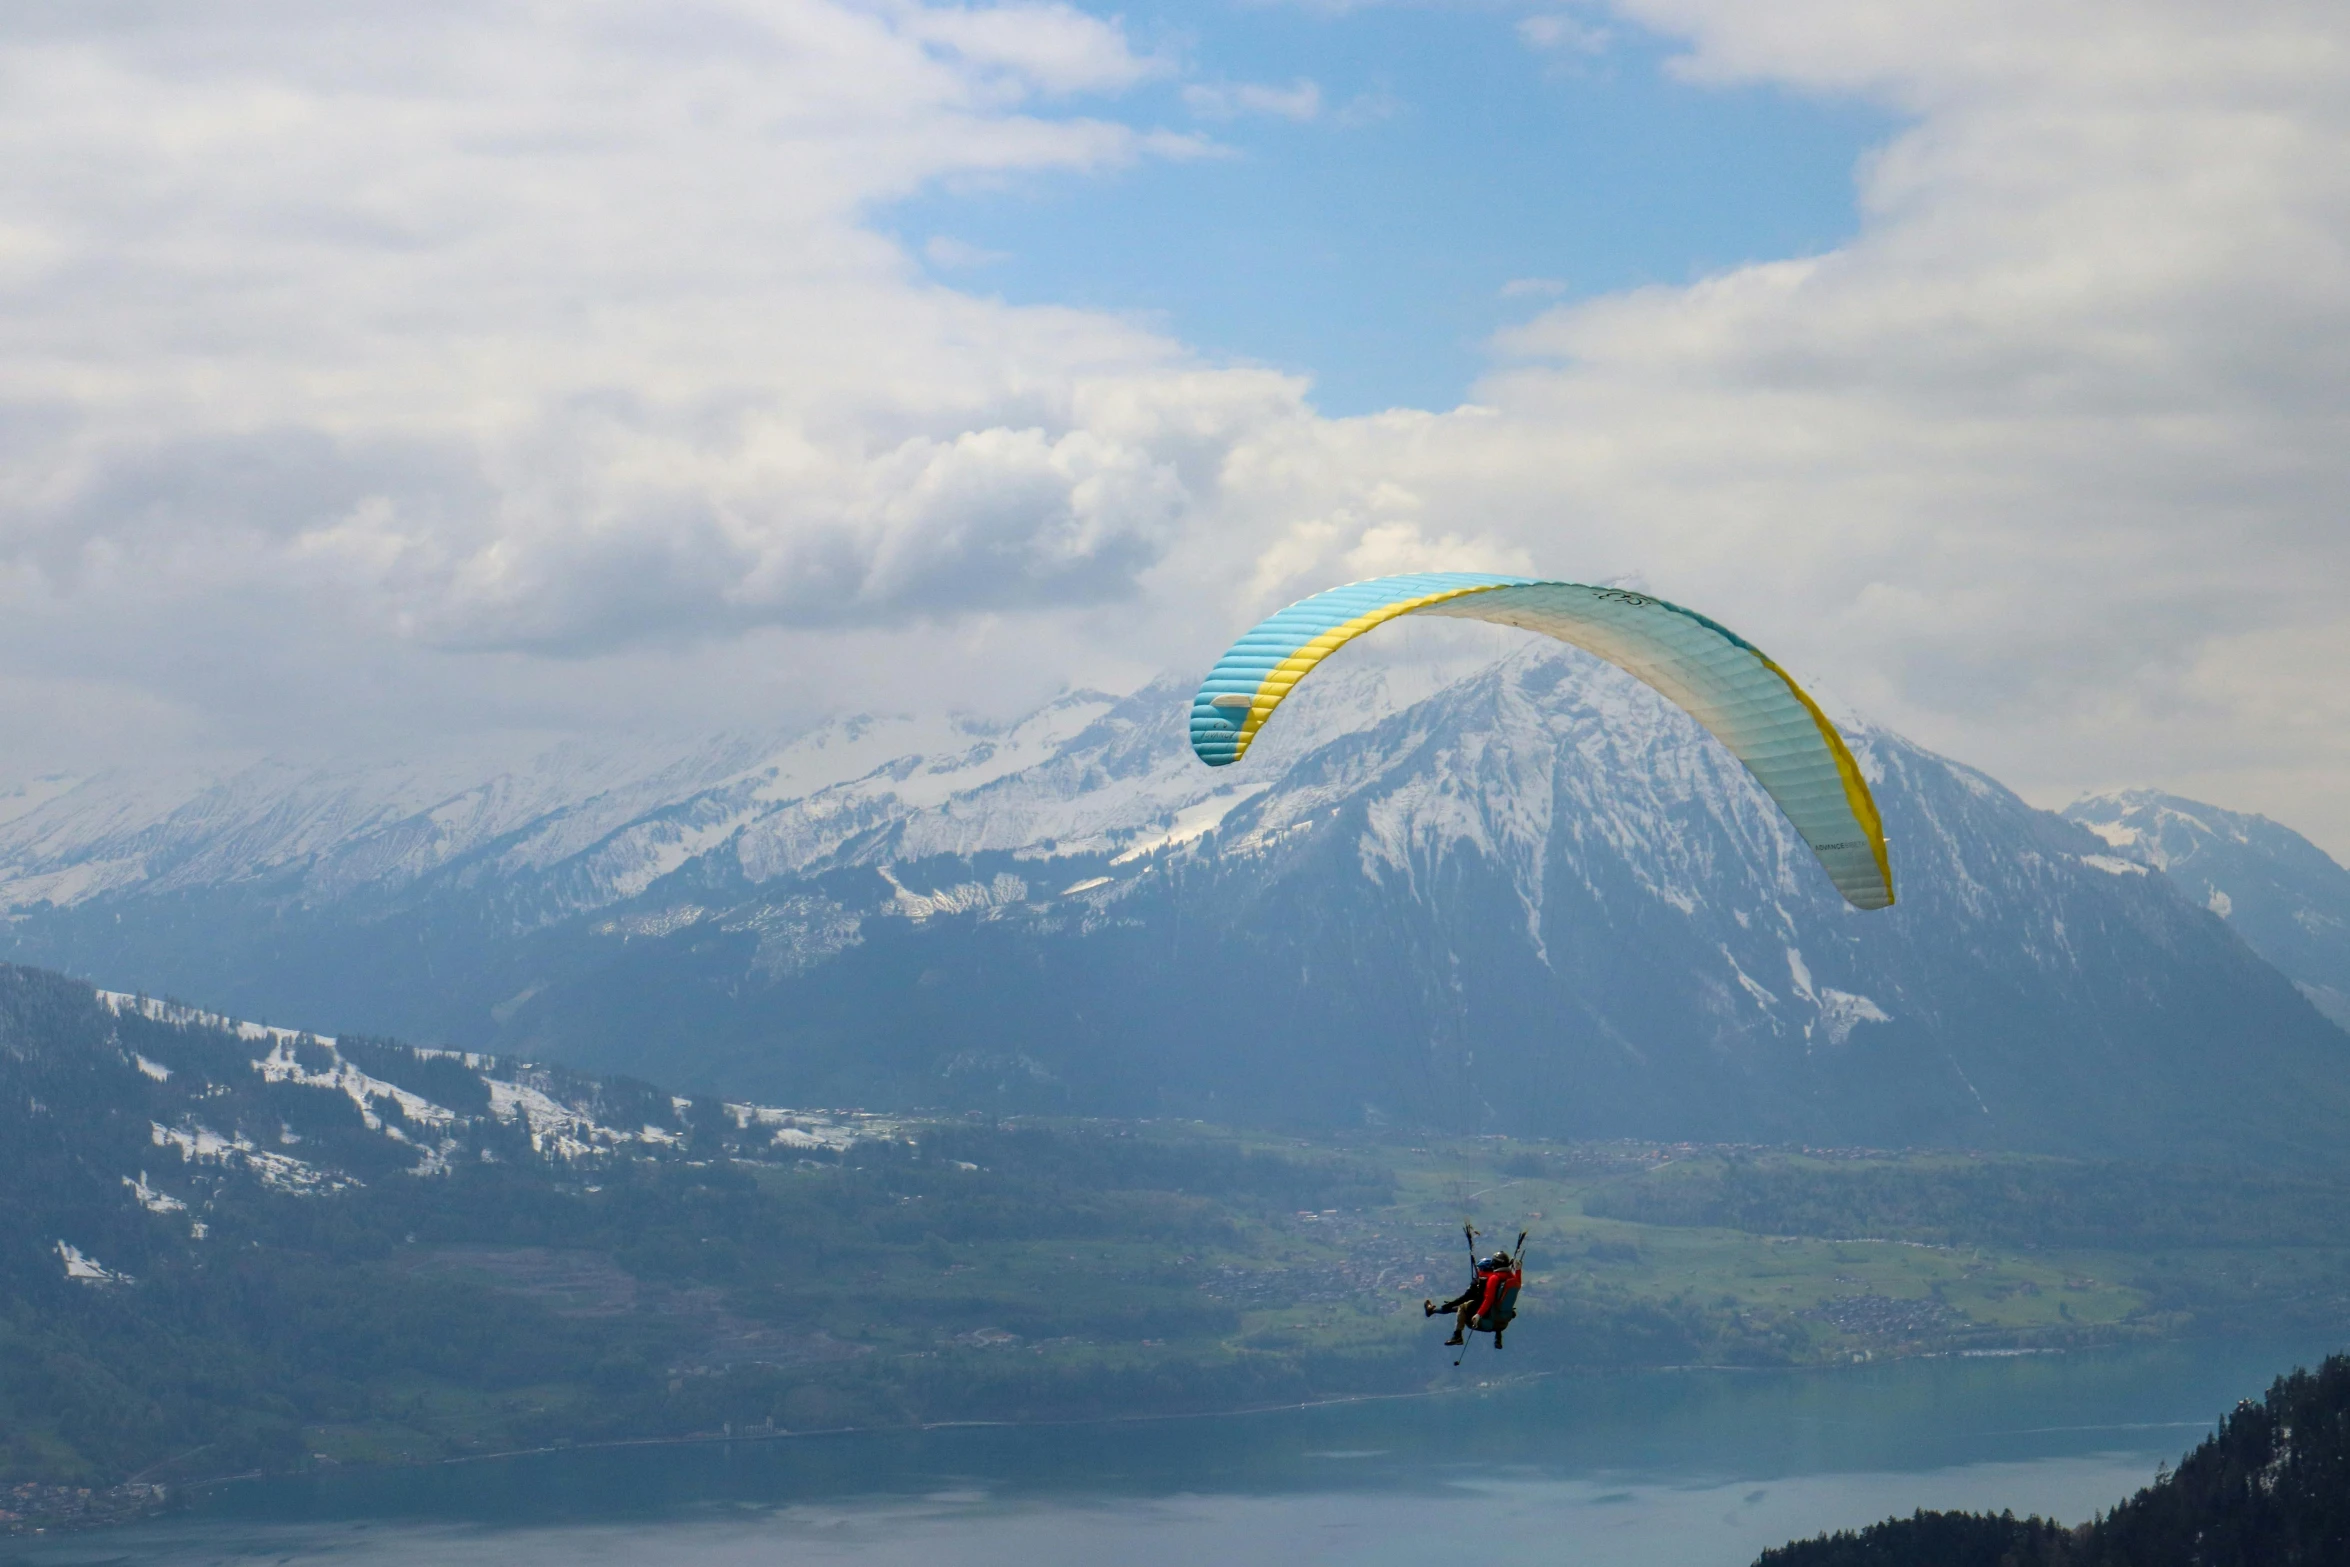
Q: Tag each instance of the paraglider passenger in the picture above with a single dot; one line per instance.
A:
(1489, 1302)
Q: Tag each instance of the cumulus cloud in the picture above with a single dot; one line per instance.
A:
(536, 329)
(944, 250)
(1301, 100)
(1565, 34)
(1052, 48)
(492, 365)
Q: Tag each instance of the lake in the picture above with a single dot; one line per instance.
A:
(1632, 1469)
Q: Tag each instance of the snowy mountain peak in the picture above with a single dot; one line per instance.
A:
(2281, 893)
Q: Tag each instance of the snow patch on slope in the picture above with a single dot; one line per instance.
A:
(83, 1268)
(151, 1199)
(282, 1065)
(1193, 822)
(199, 1144)
(962, 898)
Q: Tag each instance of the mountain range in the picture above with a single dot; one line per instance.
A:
(1533, 898)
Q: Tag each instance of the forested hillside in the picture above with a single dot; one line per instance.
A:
(225, 1248)
(2271, 1488)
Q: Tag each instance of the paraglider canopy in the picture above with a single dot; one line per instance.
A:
(1719, 678)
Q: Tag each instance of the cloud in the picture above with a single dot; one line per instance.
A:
(944, 250)
(484, 313)
(1564, 34)
(1049, 48)
(1533, 288)
(377, 370)
(1301, 100)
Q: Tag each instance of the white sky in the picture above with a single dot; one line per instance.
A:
(387, 375)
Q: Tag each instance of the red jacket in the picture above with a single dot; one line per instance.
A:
(1496, 1282)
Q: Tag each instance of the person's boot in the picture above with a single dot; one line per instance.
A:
(1497, 1338)
(1455, 1339)
(1427, 1308)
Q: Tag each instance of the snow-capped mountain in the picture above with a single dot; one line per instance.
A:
(162, 1111)
(1535, 898)
(2283, 894)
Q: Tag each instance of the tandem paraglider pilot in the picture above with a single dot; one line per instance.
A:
(1488, 1304)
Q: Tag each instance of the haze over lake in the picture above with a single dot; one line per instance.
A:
(1687, 1468)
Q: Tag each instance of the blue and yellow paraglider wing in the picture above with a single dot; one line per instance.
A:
(1723, 681)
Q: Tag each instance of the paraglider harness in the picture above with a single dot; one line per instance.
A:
(1496, 1290)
